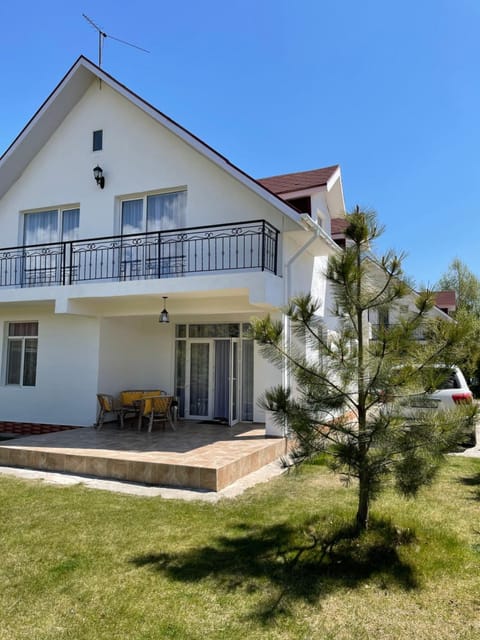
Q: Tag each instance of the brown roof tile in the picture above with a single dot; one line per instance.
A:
(290, 182)
(338, 225)
(445, 299)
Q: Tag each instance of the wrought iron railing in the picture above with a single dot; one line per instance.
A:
(378, 329)
(251, 246)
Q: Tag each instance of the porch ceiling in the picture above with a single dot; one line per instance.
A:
(27, 306)
(216, 303)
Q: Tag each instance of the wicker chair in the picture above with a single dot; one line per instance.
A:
(106, 404)
(155, 409)
(130, 401)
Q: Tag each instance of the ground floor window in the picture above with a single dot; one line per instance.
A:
(21, 351)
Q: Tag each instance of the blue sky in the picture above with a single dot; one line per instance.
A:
(389, 90)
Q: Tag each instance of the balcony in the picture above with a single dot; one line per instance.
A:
(377, 330)
(248, 246)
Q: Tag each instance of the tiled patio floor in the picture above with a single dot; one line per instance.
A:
(201, 456)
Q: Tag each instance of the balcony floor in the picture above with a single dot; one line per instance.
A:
(208, 457)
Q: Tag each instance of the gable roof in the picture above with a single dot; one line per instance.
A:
(445, 299)
(291, 182)
(64, 97)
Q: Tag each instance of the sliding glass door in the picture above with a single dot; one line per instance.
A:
(214, 372)
(226, 388)
(199, 385)
(212, 385)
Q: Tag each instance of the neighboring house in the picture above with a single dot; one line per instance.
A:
(88, 262)
(305, 191)
(318, 193)
(446, 301)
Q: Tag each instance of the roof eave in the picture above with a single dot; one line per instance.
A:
(43, 123)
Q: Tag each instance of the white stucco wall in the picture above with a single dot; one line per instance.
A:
(320, 211)
(135, 353)
(140, 353)
(79, 357)
(139, 156)
(304, 270)
(67, 371)
(85, 354)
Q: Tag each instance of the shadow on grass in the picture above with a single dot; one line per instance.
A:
(472, 481)
(285, 563)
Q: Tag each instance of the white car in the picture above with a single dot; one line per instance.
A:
(452, 391)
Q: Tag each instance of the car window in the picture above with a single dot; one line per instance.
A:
(452, 382)
(438, 378)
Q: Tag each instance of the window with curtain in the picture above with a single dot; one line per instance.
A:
(155, 212)
(47, 227)
(53, 225)
(132, 216)
(247, 380)
(70, 224)
(166, 211)
(21, 352)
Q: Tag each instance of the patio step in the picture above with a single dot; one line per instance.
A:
(185, 458)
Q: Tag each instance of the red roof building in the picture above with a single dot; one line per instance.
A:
(446, 301)
(304, 180)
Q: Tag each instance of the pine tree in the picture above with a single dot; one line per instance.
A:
(353, 397)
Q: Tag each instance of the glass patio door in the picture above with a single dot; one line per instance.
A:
(212, 385)
(234, 381)
(226, 389)
(199, 383)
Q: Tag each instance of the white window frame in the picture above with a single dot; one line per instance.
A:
(21, 338)
(60, 209)
(136, 262)
(143, 196)
(48, 272)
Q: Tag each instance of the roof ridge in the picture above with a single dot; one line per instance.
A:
(299, 173)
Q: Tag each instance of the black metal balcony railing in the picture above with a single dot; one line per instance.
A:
(377, 329)
(251, 246)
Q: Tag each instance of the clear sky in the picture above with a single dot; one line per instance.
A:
(388, 89)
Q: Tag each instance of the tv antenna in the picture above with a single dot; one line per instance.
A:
(101, 37)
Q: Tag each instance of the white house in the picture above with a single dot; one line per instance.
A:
(87, 263)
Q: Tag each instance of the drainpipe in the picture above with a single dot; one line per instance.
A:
(317, 232)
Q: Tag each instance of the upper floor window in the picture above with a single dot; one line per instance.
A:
(97, 140)
(155, 212)
(22, 344)
(54, 225)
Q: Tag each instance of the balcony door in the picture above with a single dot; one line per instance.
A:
(42, 264)
(157, 212)
(212, 381)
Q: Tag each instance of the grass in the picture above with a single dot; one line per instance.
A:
(279, 562)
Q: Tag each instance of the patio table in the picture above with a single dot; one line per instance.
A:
(130, 401)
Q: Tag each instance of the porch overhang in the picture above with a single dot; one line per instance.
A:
(202, 295)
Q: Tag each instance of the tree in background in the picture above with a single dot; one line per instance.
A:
(352, 396)
(466, 285)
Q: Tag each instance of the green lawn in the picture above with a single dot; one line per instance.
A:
(87, 565)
